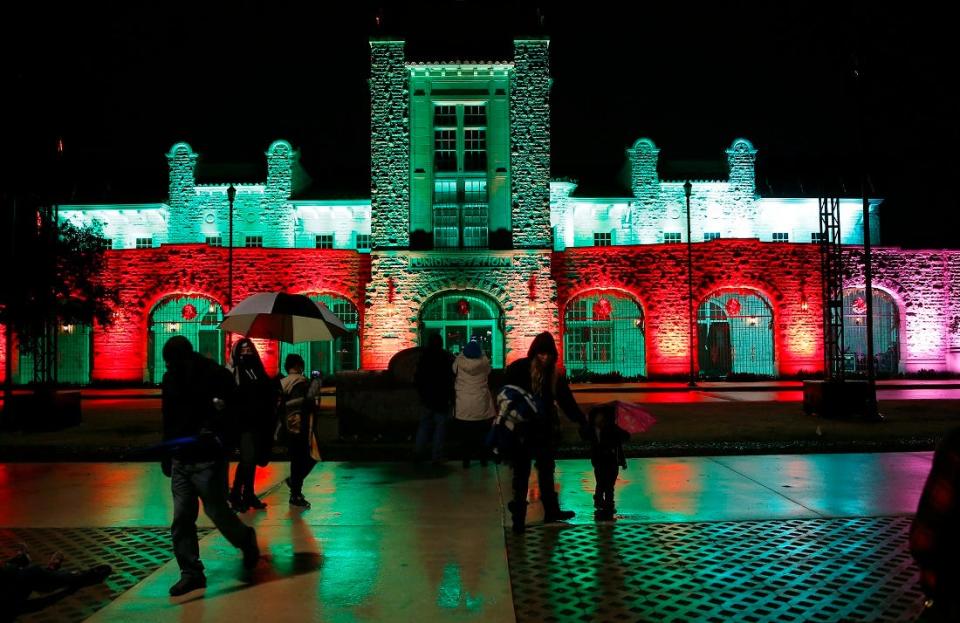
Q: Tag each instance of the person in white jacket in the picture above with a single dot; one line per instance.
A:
(474, 410)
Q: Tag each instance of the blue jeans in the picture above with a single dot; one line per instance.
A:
(434, 422)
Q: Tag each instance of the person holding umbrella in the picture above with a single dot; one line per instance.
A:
(257, 396)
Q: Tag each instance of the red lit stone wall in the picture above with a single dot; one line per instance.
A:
(391, 326)
(656, 276)
(146, 276)
(3, 353)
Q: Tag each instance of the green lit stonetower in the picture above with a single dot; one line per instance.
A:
(389, 145)
(530, 143)
(460, 203)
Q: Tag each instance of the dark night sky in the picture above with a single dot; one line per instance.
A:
(122, 85)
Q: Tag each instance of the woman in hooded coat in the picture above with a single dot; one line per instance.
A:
(255, 411)
(474, 404)
(539, 375)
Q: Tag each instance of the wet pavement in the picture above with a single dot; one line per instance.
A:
(707, 538)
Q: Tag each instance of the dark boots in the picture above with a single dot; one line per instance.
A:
(518, 512)
(552, 512)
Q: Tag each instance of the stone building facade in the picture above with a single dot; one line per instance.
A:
(465, 235)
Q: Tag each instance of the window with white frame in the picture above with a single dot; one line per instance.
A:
(671, 236)
(781, 236)
(144, 243)
(364, 242)
(253, 242)
(602, 239)
(106, 243)
(711, 235)
(214, 241)
(324, 241)
(817, 237)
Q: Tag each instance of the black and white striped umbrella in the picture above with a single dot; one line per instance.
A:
(286, 317)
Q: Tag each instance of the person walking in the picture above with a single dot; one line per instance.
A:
(255, 409)
(434, 381)
(473, 411)
(539, 375)
(300, 396)
(606, 455)
(194, 397)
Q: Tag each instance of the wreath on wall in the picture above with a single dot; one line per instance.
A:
(189, 312)
(463, 307)
(860, 305)
(732, 307)
(602, 309)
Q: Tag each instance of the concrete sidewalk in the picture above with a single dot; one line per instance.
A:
(390, 542)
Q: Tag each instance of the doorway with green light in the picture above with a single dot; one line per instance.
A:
(197, 318)
(463, 316)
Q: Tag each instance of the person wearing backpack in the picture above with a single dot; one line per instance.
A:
(300, 396)
(538, 375)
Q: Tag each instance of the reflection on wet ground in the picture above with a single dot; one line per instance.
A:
(390, 542)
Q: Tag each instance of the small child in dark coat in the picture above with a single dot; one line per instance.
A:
(606, 455)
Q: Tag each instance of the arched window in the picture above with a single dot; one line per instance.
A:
(459, 317)
(197, 318)
(331, 356)
(604, 333)
(886, 331)
(735, 334)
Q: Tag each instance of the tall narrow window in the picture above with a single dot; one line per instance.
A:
(460, 201)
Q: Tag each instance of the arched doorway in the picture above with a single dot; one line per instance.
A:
(331, 356)
(886, 331)
(461, 316)
(735, 334)
(197, 318)
(74, 357)
(604, 333)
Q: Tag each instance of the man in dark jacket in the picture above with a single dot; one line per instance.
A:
(539, 375)
(194, 394)
(434, 380)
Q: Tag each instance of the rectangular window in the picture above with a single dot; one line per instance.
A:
(445, 116)
(475, 150)
(577, 310)
(445, 150)
(253, 242)
(602, 239)
(475, 115)
(671, 236)
(781, 236)
(364, 242)
(817, 237)
(215, 241)
(711, 235)
(602, 343)
(324, 241)
(106, 243)
(144, 243)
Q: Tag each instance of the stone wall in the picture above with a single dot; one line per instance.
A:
(518, 280)
(389, 145)
(530, 144)
(787, 276)
(924, 284)
(147, 276)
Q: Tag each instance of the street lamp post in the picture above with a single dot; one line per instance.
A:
(231, 195)
(687, 187)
